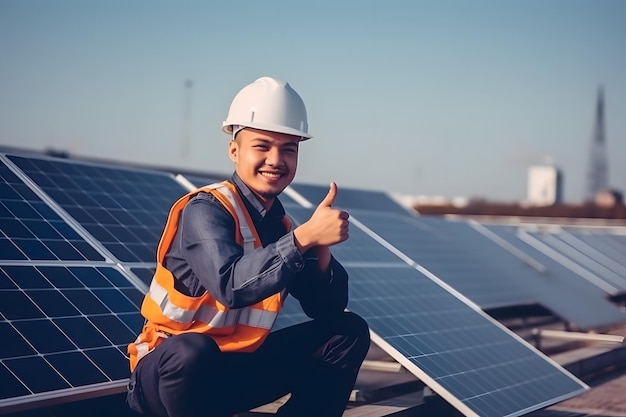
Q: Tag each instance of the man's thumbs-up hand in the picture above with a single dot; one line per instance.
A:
(327, 226)
(330, 197)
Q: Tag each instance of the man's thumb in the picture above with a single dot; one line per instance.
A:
(330, 197)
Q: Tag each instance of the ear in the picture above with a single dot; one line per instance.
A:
(233, 151)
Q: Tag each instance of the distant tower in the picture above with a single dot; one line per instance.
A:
(597, 176)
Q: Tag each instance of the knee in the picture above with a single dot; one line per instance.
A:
(354, 325)
(358, 329)
(190, 353)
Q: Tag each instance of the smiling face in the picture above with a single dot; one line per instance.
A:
(265, 161)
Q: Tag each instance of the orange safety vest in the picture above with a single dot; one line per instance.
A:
(169, 312)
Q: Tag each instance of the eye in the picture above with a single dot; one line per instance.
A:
(291, 150)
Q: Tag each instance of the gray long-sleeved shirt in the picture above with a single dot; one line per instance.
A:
(204, 255)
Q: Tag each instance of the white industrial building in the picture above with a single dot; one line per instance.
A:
(545, 185)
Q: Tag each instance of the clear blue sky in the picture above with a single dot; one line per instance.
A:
(449, 98)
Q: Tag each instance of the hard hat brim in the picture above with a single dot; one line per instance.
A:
(228, 129)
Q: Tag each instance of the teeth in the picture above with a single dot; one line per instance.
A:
(270, 175)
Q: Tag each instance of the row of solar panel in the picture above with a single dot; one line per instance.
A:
(124, 212)
(59, 217)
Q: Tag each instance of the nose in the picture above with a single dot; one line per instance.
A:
(274, 157)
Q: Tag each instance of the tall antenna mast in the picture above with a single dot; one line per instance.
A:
(597, 176)
(185, 138)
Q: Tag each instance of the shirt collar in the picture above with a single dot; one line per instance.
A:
(255, 208)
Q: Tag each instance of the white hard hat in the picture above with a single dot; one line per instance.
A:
(268, 104)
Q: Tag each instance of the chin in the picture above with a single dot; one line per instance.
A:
(271, 192)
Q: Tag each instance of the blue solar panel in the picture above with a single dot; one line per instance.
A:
(476, 364)
(123, 209)
(31, 230)
(67, 329)
(471, 361)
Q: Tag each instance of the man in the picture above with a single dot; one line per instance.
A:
(227, 259)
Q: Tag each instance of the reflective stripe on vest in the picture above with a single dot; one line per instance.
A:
(210, 315)
(246, 233)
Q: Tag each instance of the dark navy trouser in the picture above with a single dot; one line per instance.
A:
(188, 376)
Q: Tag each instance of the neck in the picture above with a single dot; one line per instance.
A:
(266, 202)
